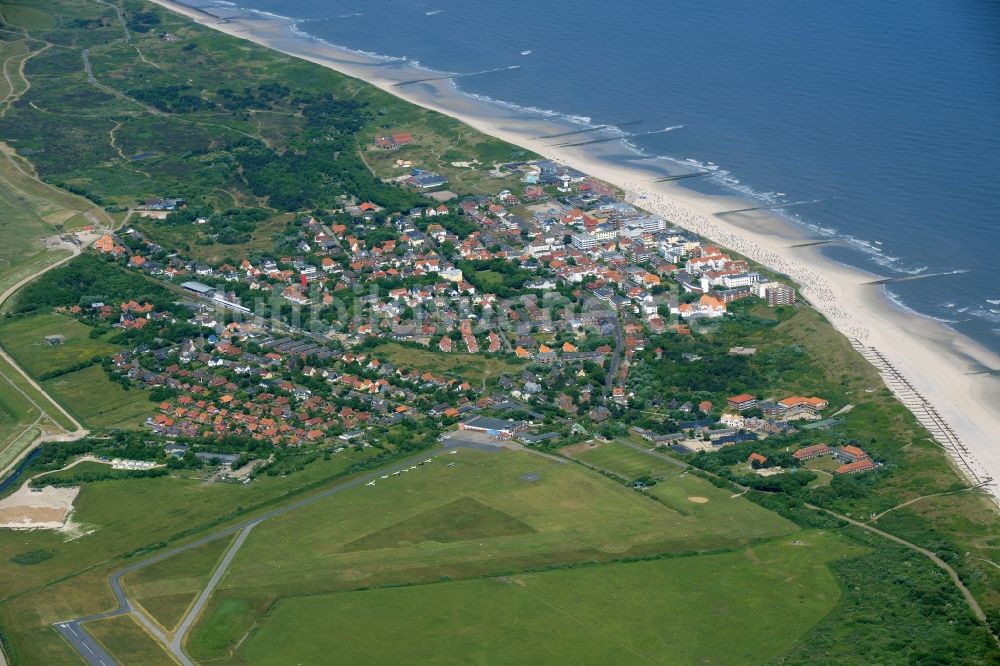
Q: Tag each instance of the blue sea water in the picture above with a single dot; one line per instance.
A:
(887, 112)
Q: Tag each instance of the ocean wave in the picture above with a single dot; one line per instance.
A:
(584, 121)
(724, 178)
(993, 302)
(271, 15)
(989, 315)
(379, 57)
(897, 301)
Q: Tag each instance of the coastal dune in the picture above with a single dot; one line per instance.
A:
(942, 376)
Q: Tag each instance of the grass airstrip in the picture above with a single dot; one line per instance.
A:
(671, 611)
(489, 546)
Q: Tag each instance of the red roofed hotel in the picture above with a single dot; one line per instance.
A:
(742, 402)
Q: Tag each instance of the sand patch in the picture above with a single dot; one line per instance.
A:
(574, 449)
(697, 499)
(33, 508)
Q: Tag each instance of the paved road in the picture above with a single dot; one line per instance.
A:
(85, 644)
(72, 629)
(177, 644)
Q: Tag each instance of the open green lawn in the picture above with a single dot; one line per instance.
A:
(474, 368)
(98, 402)
(30, 209)
(24, 339)
(476, 518)
(627, 463)
(167, 588)
(744, 607)
(123, 636)
(685, 493)
(824, 467)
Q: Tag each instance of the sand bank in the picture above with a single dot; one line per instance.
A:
(935, 361)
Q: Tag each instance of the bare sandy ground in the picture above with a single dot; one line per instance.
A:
(934, 359)
(46, 508)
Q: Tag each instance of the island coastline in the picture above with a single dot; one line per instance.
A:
(948, 370)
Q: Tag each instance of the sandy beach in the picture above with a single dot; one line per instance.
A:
(934, 366)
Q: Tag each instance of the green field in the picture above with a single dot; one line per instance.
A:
(743, 607)
(123, 636)
(18, 414)
(167, 588)
(98, 402)
(24, 412)
(116, 518)
(27, 17)
(31, 210)
(476, 518)
(474, 368)
(24, 339)
(88, 394)
(628, 463)
(686, 494)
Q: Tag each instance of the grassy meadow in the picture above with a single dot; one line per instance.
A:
(24, 339)
(98, 402)
(87, 393)
(743, 607)
(181, 237)
(475, 519)
(622, 461)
